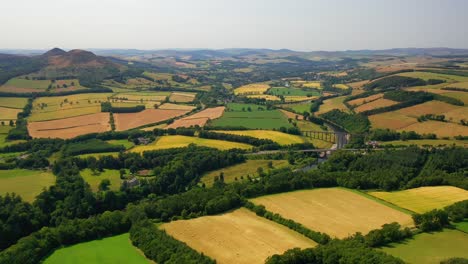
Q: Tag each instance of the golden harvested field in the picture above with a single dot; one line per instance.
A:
(460, 85)
(254, 88)
(334, 211)
(424, 199)
(237, 237)
(267, 97)
(125, 121)
(239, 172)
(169, 106)
(432, 107)
(13, 102)
(379, 103)
(333, 103)
(392, 120)
(9, 113)
(364, 100)
(200, 118)
(178, 97)
(166, 142)
(276, 136)
(357, 85)
(64, 113)
(341, 86)
(307, 84)
(299, 98)
(441, 129)
(70, 127)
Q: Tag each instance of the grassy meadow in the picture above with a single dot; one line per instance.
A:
(94, 179)
(431, 248)
(26, 183)
(110, 250)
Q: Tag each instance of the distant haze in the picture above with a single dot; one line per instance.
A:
(293, 24)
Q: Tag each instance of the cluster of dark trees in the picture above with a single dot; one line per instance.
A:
(431, 221)
(390, 135)
(162, 248)
(458, 211)
(389, 233)
(94, 89)
(434, 117)
(12, 66)
(21, 129)
(260, 210)
(107, 107)
(353, 123)
(90, 146)
(455, 89)
(394, 82)
(349, 250)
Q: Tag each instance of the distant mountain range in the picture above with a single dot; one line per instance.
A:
(219, 53)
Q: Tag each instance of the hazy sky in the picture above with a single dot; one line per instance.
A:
(293, 24)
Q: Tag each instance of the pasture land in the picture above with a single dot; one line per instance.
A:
(333, 103)
(292, 115)
(267, 97)
(299, 107)
(126, 121)
(70, 127)
(462, 96)
(95, 178)
(200, 118)
(142, 96)
(57, 107)
(427, 142)
(429, 75)
(436, 107)
(13, 102)
(431, 248)
(254, 88)
(23, 83)
(98, 155)
(334, 211)
(110, 250)
(26, 183)
(237, 237)
(169, 106)
(379, 103)
(292, 92)
(238, 115)
(357, 85)
(178, 97)
(294, 98)
(239, 172)
(462, 226)
(276, 136)
(460, 85)
(124, 142)
(424, 199)
(7, 113)
(166, 142)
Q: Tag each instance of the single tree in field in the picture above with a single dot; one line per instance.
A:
(104, 185)
(3, 123)
(12, 123)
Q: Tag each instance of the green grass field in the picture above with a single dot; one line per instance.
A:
(166, 142)
(428, 248)
(95, 179)
(242, 170)
(237, 115)
(463, 226)
(292, 92)
(26, 183)
(23, 83)
(98, 155)
(127, 144)
(13, 102)
(298, 108)
(111, 250)
(424, 199)
(429, 75)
